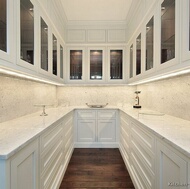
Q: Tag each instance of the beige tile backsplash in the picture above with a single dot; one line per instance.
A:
(18, 96)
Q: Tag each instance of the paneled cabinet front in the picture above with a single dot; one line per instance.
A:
(24, 168)
(96, 128)
(56, 146)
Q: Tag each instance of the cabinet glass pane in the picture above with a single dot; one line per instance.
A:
(96, 57)
(116, 62)
(61, 61)
(189, 25)
(138, 55)
(27, 31)
(54, 55)
(167, 30)
(3, 25)
(44, 45)
(131, 61)
(76, 64)
(149, 44)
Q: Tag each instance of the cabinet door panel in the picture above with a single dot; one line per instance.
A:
(24, 168)
(172, 169)
(86, 130)
(107, 114)
(106, 131)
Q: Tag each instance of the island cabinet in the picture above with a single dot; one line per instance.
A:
(151, 161)
(96, 128)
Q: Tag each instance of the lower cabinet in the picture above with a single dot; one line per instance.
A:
(172, 168)
(42, 163)
(151, 162)
(56, 146)
(24, 168)
(96, 128)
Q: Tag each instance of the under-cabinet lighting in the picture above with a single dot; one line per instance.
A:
(161, 77)
(163, 8)
(22, 75)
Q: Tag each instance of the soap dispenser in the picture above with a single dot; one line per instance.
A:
(137, 100)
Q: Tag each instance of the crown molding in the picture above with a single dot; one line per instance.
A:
(96, 24)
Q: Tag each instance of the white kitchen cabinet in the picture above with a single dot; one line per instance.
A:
(151, 161)
(185, 20)
(51, 154)
(125, 137)
(24, 168)
(137, 146)
(142, 156)
(106, 130)
(96, 128)
(56, 146)
(86, 130)
(172, 169)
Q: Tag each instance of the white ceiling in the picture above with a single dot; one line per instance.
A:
(96, 10)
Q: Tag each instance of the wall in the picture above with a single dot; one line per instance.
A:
(79, 95)
(170, 96)
(18, 96)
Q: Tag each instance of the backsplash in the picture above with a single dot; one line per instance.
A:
(170, 96)
(18, 96)
(79, 95)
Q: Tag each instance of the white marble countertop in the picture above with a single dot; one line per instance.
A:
(173, 130)
(17, 133)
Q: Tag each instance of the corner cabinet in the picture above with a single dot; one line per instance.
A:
(96, 128)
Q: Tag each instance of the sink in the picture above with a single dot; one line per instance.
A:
(96, 105)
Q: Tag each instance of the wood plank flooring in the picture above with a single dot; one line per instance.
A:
(96, 168)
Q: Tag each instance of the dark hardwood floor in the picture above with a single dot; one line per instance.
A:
(96, 168)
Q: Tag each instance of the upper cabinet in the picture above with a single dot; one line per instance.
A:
(95, 65)
(154, 48)
(185, 20)
(30, 42)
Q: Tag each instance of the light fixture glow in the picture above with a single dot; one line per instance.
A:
(22, 75)
(161, 77)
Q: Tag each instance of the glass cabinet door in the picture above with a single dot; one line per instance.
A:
(138, 55)
(44, 45)
(189, 25)
(96, 62)
(116, 64)
(27, 31)
(76, 64)
(3, 25)
(61, 62)
(167, 30)
(149, 44)
(131, 61)
(54, 55)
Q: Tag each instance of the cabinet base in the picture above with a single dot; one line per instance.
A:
(136, 106)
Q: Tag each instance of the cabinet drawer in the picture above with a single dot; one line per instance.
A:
(106, 114)
(143, 137)
(49, 138)
(86, 114)
(48, 159)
